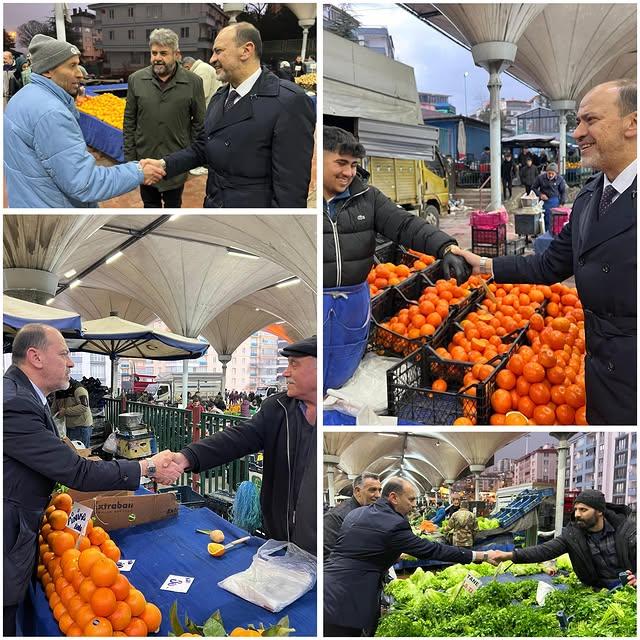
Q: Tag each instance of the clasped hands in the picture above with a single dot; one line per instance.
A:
(496, 557)
(169, 466)
(153, 171)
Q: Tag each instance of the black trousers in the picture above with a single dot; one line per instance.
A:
(154, 199)
(9, 621)
(507, 183)
(337, 631)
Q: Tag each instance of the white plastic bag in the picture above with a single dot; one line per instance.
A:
(274, 581)
(110, 445)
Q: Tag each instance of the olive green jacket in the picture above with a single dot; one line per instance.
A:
(157, 122)
(76, 410)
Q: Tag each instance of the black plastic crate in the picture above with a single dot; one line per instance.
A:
(186, 496)
(396, 254)
(516, 247)
(489, 242)
(410, 396)
(220, 502)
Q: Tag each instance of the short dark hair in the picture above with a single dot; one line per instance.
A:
(627, 95)
(342, 142)
(394, 485)
(464, 504)
(246, 32)
(33, 335)
(358, 481)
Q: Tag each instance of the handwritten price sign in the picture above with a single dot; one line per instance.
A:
(180, 584)
(79, 518)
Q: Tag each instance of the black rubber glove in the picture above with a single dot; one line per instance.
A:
(456, 267)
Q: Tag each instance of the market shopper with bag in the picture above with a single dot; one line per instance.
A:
(46, 160)
(35, 458)
(353, 213)
(600, 541)
(369, 542)
(284, 429)
(73, 407)
(598, 247)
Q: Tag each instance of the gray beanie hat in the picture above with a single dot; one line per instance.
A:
(552, 166)
(47, 53)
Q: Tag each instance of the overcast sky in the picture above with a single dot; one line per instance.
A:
(518, 448)
(438, 62)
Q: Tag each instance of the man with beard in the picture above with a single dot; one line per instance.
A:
(46, 160)
(258, 138)
(598, 247)
(165, 112)
(600, 541)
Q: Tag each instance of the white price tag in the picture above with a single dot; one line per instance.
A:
(471, 583)
(543, 591)
(180, 584)
(79, 518)
(125, 565)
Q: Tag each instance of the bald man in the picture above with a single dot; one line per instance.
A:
(598, 248)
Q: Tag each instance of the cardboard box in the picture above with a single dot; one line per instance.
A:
(123, 509)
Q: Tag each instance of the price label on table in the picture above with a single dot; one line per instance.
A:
(471, 584)
(79, 518)
(125, 565)
(180, 584)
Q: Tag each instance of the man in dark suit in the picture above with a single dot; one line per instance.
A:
(258, 137)
(369, 542)
(366, 490)
(35, 458)
(598, 247)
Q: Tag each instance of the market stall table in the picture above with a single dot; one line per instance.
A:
(102, 136)
(172, 546)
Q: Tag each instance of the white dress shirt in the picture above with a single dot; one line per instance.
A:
(623, 181)
(245, 87)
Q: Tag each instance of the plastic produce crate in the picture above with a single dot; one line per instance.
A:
(516, 247)
(410, 396)
(220, 502)
(186, 496)
(489, 242)
(397, 254)
(558, 220)
(488, 219)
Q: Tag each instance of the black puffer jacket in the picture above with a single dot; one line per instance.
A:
(349, 243)
(573, 541)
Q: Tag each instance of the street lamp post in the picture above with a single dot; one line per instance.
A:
(466, 75)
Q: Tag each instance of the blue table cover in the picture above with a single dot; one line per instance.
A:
(542, 242)
(172, 546)
(337, 418)
(102, 136)
(98, 89)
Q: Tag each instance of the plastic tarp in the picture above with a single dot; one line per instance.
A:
(102, 136)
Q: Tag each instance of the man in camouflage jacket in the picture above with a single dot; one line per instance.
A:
(463, 526)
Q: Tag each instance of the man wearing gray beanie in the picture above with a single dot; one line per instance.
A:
(46, 160)
(600, 540)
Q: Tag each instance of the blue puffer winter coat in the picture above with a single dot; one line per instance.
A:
(46, 162)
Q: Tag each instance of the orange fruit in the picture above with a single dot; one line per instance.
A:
(59, 610)
(544, 415)
(581, 416)
(64, 502)
(462, 421)
(103, 602)
(121, 616)
(526, 406)
(87, 559)
(70, 556)
(111, 550)
(497, 419)
(506, 379)
(87, 589)
(74, 631)
(83, 615)
(516, 364)
(97, 536)
(74, 605)
(54, 599)
(65, 622)
(574, 396)
(136, 628)
(104, 572)
(565, 414)
(533, 372)
(66, 594)
(152, 617)
(439, 385)
(84, 543)
(121, 587)
(62, 543)
(539, 393)
(241, 632)
(516, 418)
(136, 601)
(58, 519)
(501, 401)
(98, 627)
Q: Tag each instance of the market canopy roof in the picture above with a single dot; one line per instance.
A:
(116, 337)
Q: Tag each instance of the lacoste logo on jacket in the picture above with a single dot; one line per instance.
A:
(361, 217)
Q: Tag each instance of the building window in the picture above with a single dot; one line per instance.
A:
(112, 35)
(184, 9)
(130, 12)
(131, 34)
(184, 32)
(154, 11)
(112, 13)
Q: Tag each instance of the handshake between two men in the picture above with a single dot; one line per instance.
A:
(165, 467)
(153, 170)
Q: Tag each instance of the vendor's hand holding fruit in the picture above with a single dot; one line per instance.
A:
(153, 171)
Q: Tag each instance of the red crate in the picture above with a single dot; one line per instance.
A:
(488, 219)
(489, 242)
(558, 220)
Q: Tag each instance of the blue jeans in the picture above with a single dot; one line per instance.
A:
(83, 434)
(346, 316)
(549, 204)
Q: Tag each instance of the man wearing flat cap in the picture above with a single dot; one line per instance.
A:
(284, 429)
(600, 541)
(46, 161)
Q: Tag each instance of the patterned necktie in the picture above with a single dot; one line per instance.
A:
(606, 199)
(231, 98)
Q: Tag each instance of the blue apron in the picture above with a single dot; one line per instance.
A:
(345, 321)
(549, 204)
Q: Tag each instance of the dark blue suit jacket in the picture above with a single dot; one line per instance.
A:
(369, 542)
(34, 459)
(601, 253)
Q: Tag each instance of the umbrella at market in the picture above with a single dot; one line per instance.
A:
(119, 338)
(16, 313)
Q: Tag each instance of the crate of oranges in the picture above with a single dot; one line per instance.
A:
(87, 594)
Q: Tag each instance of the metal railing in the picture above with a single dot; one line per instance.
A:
(175, 428)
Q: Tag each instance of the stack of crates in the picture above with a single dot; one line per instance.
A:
(489, 233)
